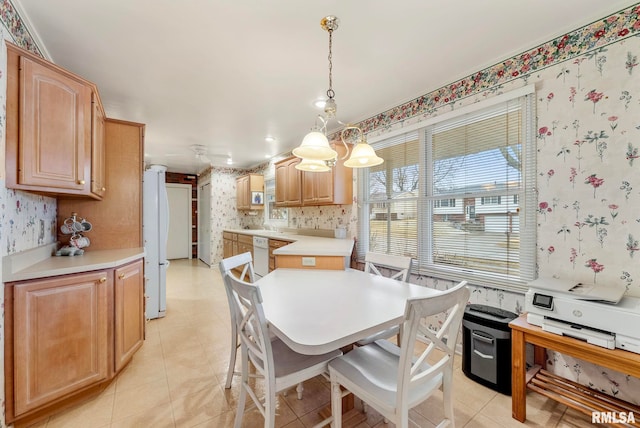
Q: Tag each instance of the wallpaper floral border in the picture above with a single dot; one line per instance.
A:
(598, 34)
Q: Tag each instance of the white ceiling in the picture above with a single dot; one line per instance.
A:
(227, 73)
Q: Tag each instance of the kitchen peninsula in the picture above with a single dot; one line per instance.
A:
(296, 250)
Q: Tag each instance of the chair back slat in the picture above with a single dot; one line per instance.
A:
(374, 261)
(437, 358)
(251, 324)
(245, 305)
(243, 260)
(227, 267)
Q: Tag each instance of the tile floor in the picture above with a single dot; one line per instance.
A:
(177, 378)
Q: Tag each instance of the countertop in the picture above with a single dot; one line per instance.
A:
(303, 245)
(40, 263)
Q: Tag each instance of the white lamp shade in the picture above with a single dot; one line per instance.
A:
(363, 156)
(315, 146)
(312, 165)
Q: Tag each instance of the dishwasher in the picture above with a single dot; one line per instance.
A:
(260, 256)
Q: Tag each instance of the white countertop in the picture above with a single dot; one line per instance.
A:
(39, 262)
(303, 245)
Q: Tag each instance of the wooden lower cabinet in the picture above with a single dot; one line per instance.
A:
(274, 244)
(229, 244)
(67, 336)
(245, 244)
(128, 312)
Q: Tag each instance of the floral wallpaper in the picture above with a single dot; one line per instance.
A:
(588, 128)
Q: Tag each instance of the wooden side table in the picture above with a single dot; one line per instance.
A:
(570, 393)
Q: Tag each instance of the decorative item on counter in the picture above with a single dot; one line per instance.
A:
(75, 227)
(340, 232)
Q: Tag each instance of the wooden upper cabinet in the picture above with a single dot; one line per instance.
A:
(317, 187)
(333, 187)
(250, 192)
(122, 202)
(288, 183)
(98, 154)
(49, 127)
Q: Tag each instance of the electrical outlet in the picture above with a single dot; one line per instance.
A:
(308, 261)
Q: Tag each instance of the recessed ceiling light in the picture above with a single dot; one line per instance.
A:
(229, 161)
(319, 103)
(267, 156)
(269, 139)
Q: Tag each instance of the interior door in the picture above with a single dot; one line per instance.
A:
(179, 239)
(204, 223)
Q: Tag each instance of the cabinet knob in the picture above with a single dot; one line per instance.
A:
(102, 280)
(120, 276)
(80, 181)
(103, 189)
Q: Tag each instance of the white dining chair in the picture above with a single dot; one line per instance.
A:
(373, 263)
(279, 366)
(395, 379)
(244, 264)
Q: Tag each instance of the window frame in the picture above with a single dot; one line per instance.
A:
(526, 198)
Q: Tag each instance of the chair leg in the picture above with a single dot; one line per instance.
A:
(447, 401)
(244, 384)
(299, 390)
(336, 404)
(270, 410)
(232, 359)
(242, 399)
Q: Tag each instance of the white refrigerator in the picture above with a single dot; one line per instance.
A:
(155, 229)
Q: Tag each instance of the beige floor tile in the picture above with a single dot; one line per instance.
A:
(574, 419)
(146, 396)
(193, 409)
(473, 395)
(96, 412)
(156, 417)
(541, 411)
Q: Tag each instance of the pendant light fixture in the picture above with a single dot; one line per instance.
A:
(315, 150)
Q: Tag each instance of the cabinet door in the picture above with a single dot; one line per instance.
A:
(288, 183)
(281, 183)
(317, 187)
(61, 330)
(242, 193)
(98, 155)
(129, 312)
(55, 129)
(122, 202)
(294, 186)
(227, 248)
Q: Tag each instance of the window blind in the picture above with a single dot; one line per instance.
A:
(458, 195)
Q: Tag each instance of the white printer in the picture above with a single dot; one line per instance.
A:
(600, 315)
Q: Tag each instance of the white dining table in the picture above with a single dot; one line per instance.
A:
(317, 311)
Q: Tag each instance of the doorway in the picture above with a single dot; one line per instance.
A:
(204, 222)
(179, 239)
